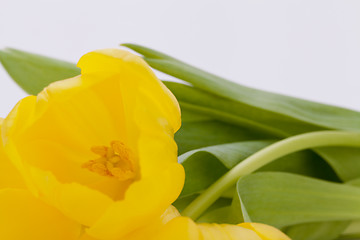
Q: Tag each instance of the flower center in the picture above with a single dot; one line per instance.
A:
(114, 161)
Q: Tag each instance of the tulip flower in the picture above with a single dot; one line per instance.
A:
(183, 228)
(93, 158)
(96, 149)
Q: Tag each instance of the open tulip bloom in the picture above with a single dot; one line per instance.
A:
(96, 153)
(93, 157)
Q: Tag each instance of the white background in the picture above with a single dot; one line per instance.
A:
(304, 48)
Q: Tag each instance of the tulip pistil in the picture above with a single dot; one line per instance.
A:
(114, 161)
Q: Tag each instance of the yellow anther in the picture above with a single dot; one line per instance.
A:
(100, 150)
(115, 161)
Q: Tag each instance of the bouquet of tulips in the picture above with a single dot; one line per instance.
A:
(104, 150)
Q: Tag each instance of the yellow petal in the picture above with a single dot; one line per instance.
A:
(76, 201)
(212, 232)
(180, 228)
(149, 231)
(110, 61)
(15, 122)
(25, 217)
(9, 175)
(237, 232)
(87, 237)
(226, 232)
(145, 200)
(154, 226)
(266, 232)
(183, 228)
(169, 214)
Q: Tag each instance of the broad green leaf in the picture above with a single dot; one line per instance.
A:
(191, 116)
(33, 72)
(181, 203)
(344, 160)
(200, 172)
(219, 215)
(354, 182)
(238, 211)
(233, 213)
(275, 105)
(233, 112)
(198, 134)
(229, 154)
(349, 237)
(352, 231)
(216, 210)
(205, 165)
(317, 231)
(284, 199)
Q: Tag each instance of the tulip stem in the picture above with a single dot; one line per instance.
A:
(265, 156)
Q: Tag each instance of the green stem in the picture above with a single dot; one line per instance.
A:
(265, 156)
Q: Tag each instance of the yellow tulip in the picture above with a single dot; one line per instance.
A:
(183, 228)
(99, 147)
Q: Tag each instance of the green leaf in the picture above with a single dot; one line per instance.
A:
(317, 231)
(204, 166)
(198, 134)
(181, 203)
(352, 231)
(33, 72)
(202, 170)
(213, 215)
(283, 199)
(233, 112)
(192, 116)
(275, 105)
(344, 160)
(354, 182)
(219, 215)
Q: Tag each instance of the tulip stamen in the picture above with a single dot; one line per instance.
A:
(114, 161)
